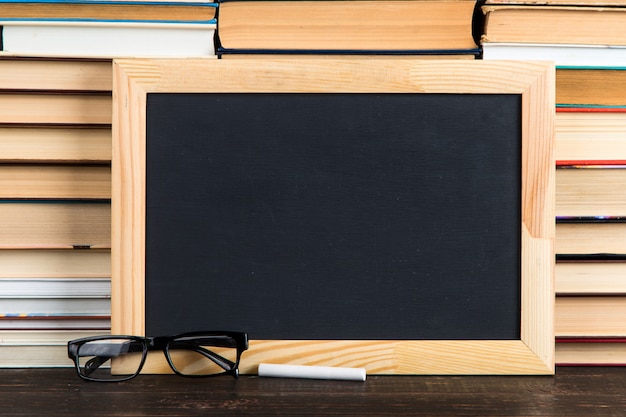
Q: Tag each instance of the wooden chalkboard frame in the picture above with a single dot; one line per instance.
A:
(533, 353)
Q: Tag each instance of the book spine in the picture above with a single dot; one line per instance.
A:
(598, 108)
(592, 163)
(69, 115)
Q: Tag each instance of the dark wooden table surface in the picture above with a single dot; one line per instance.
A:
(571, 392)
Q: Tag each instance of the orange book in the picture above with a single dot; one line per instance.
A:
(346, 25)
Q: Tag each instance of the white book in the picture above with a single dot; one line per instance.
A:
(52, 356)
(562, 55)
(55, 287)
(33, 322)
(107, 39)
(43, 337)
(35, 348)
(25, 307)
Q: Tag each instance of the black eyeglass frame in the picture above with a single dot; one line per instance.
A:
(163, 343)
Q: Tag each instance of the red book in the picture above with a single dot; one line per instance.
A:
(591, 351)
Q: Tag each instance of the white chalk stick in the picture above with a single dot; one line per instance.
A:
(311, 372)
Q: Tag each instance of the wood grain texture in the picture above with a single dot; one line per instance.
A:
(572, 392)
(336, 75)
(128, 167)
(533, 354)
(380, 357)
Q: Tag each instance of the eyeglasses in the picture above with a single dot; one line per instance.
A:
(196, 354)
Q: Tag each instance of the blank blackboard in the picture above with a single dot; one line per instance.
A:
(386, 213)
(334, 216)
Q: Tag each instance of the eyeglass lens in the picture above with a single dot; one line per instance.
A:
(110, 359)
(203, 355)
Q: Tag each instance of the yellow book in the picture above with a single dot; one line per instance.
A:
(55, 108)
(110, 10)
(590, 135)
(33, 181)
(590, 316)
(55, 225)
(63, 75)
(55, 263)
(591, 191)
(55, 144)
(585, 276)
(590, 237)
(591, 86)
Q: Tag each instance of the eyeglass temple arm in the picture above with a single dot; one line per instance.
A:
(94, 363)
(224, 363)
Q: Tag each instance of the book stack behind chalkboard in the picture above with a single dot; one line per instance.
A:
(108, 28)
(587, 41)
(429, 28)
(55, 154)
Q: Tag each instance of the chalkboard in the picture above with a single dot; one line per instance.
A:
(334, 216)
(337, 219)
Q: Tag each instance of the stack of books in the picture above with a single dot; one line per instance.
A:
(55, 126)
(587, 41)
(108, 28)
(55, 155)
(569, 32)
(429, 28)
